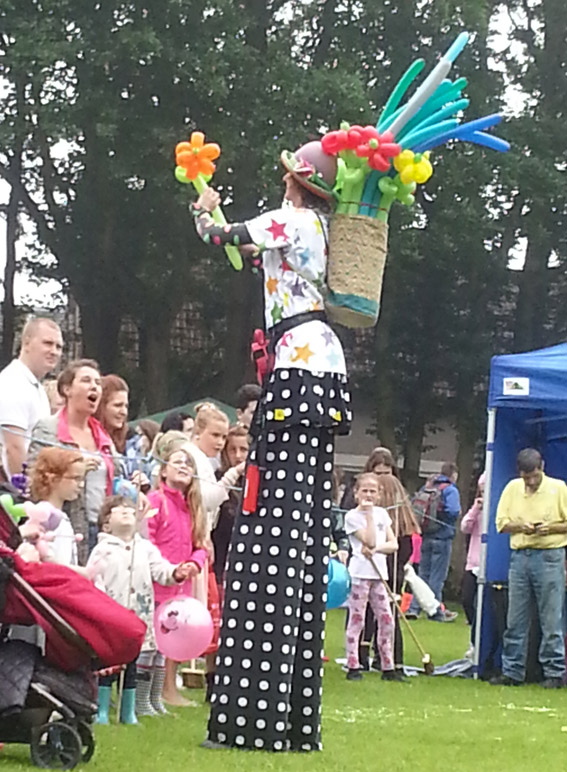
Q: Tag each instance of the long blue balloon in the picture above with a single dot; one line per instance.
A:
(441, 98)
(429, 133)
(488, 140)
(456, 48)
(446, 112)
(463, 130)
(441, 115)
(401, 88)
(383, 126)
(370, 187)
(430, 84)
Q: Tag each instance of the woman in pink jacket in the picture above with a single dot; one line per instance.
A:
(471, 524)
(177, 525)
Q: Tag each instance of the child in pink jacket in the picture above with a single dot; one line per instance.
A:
(177, 525)
(471, 524)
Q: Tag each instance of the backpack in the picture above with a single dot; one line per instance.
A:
(427, 505)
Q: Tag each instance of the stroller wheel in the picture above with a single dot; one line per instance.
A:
(56, 745)
(87, 739)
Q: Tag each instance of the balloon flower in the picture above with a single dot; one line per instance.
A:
(183, 628)
(16, 511)
(195, 165)
(386, 162)
(360, 149)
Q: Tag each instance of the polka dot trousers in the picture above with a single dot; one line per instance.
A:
(267, 692)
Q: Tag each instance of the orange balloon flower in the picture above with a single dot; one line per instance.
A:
(196, 157)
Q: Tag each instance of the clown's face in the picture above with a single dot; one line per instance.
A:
(293, 190)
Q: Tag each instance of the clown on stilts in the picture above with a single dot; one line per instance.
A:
(267, 692)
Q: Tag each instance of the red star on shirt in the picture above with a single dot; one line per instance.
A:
(286, 266)
(277, 229)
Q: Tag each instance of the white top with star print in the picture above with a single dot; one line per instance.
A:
(360, 567)
(294, 244)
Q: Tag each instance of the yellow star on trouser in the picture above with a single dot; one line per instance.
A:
(302, 352)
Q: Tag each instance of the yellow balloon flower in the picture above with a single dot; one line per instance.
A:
(413, 167)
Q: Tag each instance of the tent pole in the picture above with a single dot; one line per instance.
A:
(481, 580)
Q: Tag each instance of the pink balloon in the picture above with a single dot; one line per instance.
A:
(183, 628)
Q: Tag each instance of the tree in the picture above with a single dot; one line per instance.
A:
(119, 85)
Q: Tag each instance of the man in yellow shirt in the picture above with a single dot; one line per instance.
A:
(533, 510)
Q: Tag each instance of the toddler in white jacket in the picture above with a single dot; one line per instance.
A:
(124, 567)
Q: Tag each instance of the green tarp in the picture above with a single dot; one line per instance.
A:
(189, 407)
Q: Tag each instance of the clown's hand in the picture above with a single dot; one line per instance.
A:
(249, 250)
(209, 199)
(343, 556)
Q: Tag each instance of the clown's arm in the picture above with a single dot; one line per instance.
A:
(235, 234)
(269, 230)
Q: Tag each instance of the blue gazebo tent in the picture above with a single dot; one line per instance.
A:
(527, 407)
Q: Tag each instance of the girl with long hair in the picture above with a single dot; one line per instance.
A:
(394, 499)
(113, 410)
(179, 530)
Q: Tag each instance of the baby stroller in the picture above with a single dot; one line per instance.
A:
(49, 700)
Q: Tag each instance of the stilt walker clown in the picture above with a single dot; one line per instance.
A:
(267, 692)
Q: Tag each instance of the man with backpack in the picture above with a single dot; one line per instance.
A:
(437, 506)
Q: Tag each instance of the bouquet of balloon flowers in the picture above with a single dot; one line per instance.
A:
(377, 165)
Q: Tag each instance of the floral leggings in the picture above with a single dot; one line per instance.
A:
(371, 591)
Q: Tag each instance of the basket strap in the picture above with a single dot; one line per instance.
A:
(326, 237)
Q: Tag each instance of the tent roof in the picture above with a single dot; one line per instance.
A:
(189, 407)
(534, 379)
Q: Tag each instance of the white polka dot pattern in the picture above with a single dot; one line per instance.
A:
(273, 653)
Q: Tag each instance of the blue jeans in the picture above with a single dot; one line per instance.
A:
(434, 566)
(538, 574)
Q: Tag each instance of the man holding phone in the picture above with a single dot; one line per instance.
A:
(533, 510)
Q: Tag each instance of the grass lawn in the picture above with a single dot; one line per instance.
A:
(427, 724)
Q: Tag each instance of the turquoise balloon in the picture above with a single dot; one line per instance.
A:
(400, 89)
(338, 586)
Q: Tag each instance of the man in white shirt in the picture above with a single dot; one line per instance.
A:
(23, 400)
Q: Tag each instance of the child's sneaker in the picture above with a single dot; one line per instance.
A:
(354, 674)
(394, 675)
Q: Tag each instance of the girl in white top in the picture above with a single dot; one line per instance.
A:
(56, 478)
(209, 437)
(369, 529)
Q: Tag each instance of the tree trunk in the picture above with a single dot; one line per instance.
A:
(237, 369)
(101, 329)
(467, 435)
(8, 308)
(385, 405)
(531, 310)
(154, 356)
(414, 436)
